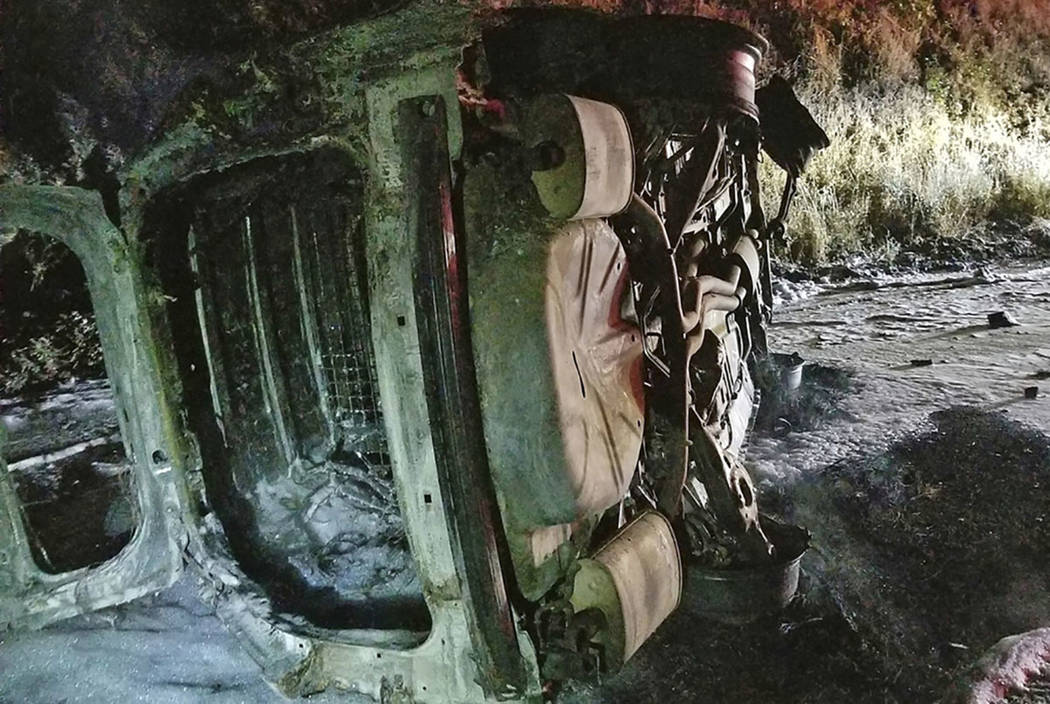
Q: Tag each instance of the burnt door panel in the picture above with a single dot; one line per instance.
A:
(287, 415)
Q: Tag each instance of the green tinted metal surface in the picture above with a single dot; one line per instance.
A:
(28, 596)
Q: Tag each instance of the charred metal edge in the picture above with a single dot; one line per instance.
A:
(452, 397)
(153, 559)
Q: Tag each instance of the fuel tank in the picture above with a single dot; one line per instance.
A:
(557, 356)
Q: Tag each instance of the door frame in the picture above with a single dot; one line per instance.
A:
(152, 560)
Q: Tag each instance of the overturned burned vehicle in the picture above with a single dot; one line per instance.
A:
(432, 356)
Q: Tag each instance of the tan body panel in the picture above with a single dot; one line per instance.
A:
(635, 580)
(547, 321)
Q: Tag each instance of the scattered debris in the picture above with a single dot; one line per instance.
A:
(811, 404)
(790, 370)
(1010, 666)
(1001, 319)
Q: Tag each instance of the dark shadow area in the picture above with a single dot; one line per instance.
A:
(952, 527)
(113, 75)
(47, 325)
(78, 511)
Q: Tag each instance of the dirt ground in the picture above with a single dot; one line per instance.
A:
(924, 485)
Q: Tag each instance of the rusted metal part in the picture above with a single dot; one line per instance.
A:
(448, 369)
(756, 226)
(786, 198)
(570, 634)
(653, 263)
(705, 302)
(732, 496)
(692, 179)
(744, 593)
(790, 135)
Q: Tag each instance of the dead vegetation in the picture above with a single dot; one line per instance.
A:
(47, 326)
(937, 112)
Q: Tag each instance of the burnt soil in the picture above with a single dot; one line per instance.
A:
(942, 544)
(814, 403)
(923, 557)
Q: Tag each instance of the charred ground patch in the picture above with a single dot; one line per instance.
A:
(815, 401)
(808, 653)
(938, 546)
(924, 556)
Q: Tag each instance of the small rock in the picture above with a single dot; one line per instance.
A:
(1031, 392)
(1001, 319)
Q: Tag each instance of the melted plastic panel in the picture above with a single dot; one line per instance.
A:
(64, 451)
(276, 357)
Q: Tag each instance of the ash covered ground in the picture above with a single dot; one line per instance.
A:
(914, 458)
(911, 453)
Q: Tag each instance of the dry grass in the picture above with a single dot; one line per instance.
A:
(939, 115)
(902, 168)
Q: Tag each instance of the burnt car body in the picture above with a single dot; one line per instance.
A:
(434, 368)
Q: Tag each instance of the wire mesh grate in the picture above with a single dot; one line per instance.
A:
(347, 357)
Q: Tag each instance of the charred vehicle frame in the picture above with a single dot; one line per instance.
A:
(441, 385)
